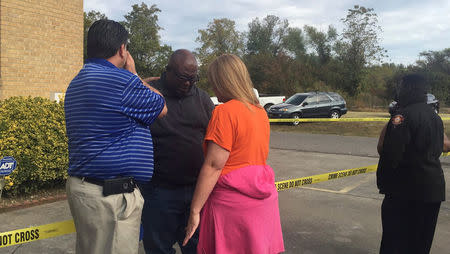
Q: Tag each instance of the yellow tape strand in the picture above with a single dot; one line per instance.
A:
(298, 182)
(303, 120)
(274, 120)
(36, 233)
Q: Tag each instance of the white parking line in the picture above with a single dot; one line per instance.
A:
(351, 187)
(344, 190)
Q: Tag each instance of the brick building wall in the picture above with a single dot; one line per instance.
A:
(41, 47)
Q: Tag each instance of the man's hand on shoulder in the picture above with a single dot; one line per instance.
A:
(146, 82)
(150, 79)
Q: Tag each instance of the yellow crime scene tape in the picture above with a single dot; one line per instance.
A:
(380, 119)
(298, 182)
(311, 120)
(31, 234)
(36, 233)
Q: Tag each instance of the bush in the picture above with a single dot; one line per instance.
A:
(32, 130)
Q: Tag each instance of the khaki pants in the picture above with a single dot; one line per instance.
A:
(107, 225)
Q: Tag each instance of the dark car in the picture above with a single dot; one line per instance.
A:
(431, 100)
(312, 104)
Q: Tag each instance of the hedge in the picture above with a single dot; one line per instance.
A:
(32, 130)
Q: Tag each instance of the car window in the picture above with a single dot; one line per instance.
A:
(336, 97)
(430, 97)
(323, 99)
(312, 100)
(296, 99)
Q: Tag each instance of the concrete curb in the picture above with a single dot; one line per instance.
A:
(33, 202)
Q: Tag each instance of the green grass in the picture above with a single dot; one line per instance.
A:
(363, 129)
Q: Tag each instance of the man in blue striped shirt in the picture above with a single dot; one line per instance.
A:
(108, 112)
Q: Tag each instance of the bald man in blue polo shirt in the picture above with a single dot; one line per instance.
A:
(108, 111)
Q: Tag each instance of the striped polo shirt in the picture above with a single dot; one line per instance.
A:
(108, 111)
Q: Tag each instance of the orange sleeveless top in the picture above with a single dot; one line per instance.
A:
(244, 132)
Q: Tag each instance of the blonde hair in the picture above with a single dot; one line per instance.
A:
(230, 79)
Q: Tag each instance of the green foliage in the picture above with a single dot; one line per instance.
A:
(89, 19)
(32, 130)
(279, 74)
(440, 85)
(266, 36)
(359, 45)
(294, 42)
(285, 60)
(144, 43)
(220, 37)
(435, 66)
(321, 42)
(150, 57)
(436, 61)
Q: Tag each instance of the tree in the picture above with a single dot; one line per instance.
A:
(89, 19)
(435, 61)
(144, 43)
(272, 51)
(435, 66)
(220, 37)
(321, 42)
(294, 42)
(266, 37)
(359, 45)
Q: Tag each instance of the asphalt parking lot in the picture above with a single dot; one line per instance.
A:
(338, 216)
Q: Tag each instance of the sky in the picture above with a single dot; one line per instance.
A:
(409, 26)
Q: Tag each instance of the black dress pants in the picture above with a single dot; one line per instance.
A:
(164, 218)
(408, 226)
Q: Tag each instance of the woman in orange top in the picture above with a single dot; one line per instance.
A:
(235, 190)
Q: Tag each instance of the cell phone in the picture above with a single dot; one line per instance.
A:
(118, 186)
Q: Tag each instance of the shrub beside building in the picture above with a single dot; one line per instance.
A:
(32, 130)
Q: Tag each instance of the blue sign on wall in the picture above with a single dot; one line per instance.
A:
(7, 165)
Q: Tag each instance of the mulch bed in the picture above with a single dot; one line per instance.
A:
(48, 196)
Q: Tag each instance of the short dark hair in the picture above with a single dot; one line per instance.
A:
(105, 38)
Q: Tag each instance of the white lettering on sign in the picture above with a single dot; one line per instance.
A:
(7, 165)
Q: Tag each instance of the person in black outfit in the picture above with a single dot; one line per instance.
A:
(178, 155)
(409, 171)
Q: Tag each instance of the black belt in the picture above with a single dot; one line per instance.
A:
(96, 181)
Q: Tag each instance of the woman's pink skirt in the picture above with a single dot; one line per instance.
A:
(242, 215)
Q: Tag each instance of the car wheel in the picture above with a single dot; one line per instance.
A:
(267, 106)
(334, 114)
(296, 116)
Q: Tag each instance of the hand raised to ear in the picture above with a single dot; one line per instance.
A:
(129, 64)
